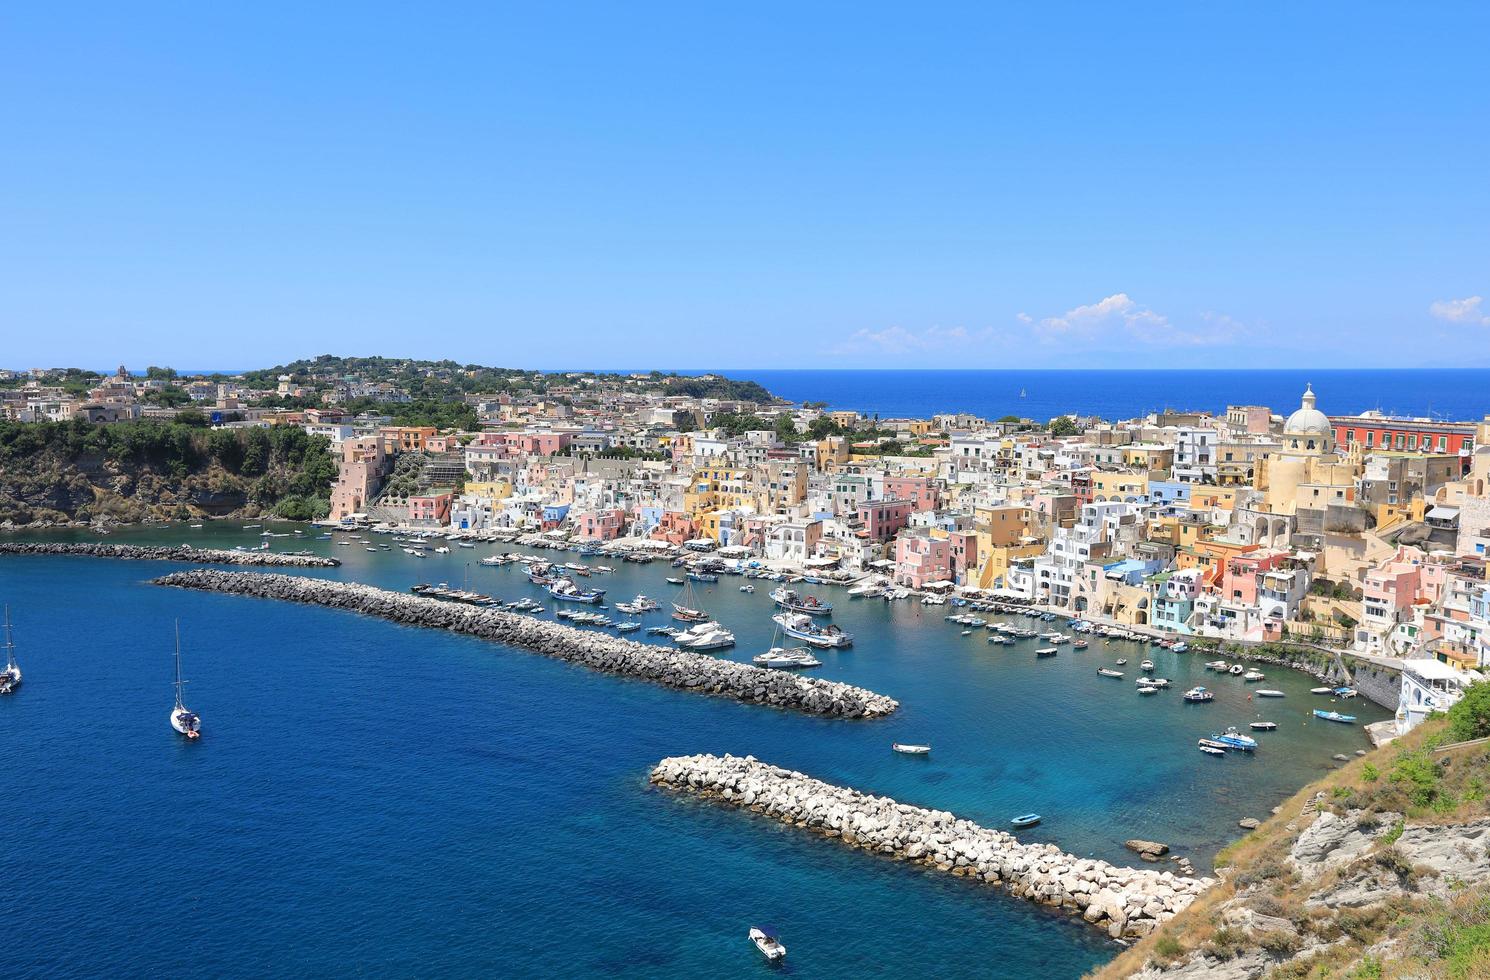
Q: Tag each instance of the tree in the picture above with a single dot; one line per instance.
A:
(1063, 426)
(160, 373)
(1470, 717)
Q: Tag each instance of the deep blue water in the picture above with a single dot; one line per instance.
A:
(370, 798)
(1450, 394)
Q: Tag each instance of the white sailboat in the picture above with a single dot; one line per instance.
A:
(183, 720)
(10, 677)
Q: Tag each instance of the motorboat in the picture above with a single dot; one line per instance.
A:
(1236, 670)
(705, 636)
(1321, 690)
(703, 576)
(905, 749)
(1199, 694)
(565, 590)
(1025, 820)
(747, 588)
(1047, 652)
(796, 602)
(1155, 681)
(10, 677)
(662, 631)
(1335, 716)
(1122, 661)
(1147, 689)
(1216, 665)
(1344, 692)
(674, 581)
(1180, 647)
(801, 626)
(1147, 665)
(785, 659)
(768, 944)
(1267, 692)
(442, 550)
(1232, 739)
(629, 626)
(1109, 672)
(183, 719)
(1263, 726)
(1001, 640)
(1079, 645)
(1212, 750)
(1253, 676)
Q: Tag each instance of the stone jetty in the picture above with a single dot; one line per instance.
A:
(682, 669)
(185, 552)
(1126, 902)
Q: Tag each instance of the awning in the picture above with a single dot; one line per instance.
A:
(1441, 513)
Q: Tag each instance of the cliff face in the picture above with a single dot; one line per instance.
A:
(133, 471)
(1382, 869)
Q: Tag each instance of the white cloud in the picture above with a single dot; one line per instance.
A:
(899, 340)
(1119, 316)
(1465, 310)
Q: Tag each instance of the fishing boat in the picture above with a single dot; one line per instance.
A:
(1335, 716)
(464, 544)
(796, 602)
(803, 628)
(1263, 726)
(785, 659)
(1025, 820)
(705, 636)
(1198, 695)
(703, 576)
(686, 608)
(10, 677)
(565, 590)
(184, 721)
(768, 944)
(1109, 672)
(1232, 739)
(1267, 692)
(905, 749)
(1079, 645)
(674, 581)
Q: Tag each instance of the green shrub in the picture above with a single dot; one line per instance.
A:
(1370, 773)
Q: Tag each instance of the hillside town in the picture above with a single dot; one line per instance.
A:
(1361, 534)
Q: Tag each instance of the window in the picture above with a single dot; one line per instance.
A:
(1370, 438)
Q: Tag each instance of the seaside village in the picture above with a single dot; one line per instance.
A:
(1362, 535)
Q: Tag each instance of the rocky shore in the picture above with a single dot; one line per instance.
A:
(1125, 902)
(680, 669)
(218, 556)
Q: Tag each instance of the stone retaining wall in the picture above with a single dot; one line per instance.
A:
(1123, 901)
(681, 669)
(216, 556)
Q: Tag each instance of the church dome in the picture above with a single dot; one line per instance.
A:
(1308, 419)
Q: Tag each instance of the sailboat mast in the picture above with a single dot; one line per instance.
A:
(178, 663)
(10, 647)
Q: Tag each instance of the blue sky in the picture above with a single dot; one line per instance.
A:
(749, 185)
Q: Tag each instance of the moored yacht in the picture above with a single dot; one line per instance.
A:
(803, 628)
(796, 602)
(1199, 694)
(705, 636)
(565, 590)
(784, 659)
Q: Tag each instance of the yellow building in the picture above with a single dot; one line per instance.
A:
(1130, 487)
(493, 489)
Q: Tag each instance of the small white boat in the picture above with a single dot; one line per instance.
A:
(1253, 675)
(1263, 726)
(784, 659)
(1199, 694)
(442, 550)
(1216, 665)
(183, 720)
(1212, 750)
(769, 945)
(905, 749)
(1109, 672)
(747, 588)
(1237, 670)
(1321, 690)
(1147, 689)
(1267, 692)
(1147, 665)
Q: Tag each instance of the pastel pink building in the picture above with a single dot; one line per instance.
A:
(920, 491)
(1390, 589)
(964, 554)
(600, 525)
(1244, 573)
(539, 443)
(883, 519)
(921, 559)
(430, 508)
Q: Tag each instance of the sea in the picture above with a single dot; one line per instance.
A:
(373, 799)
(1447, 394)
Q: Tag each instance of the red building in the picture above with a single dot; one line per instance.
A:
(1406, 435)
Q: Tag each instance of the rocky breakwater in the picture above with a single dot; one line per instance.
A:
(216, 556)
(680, 669)
(1126, 902)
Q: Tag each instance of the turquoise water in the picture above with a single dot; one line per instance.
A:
(375, 798)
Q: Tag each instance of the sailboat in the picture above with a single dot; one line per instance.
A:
(10, 677)
(183, 720)
(685, 608)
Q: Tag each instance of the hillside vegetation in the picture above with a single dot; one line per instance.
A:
(1380, 870)
(133, 471)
